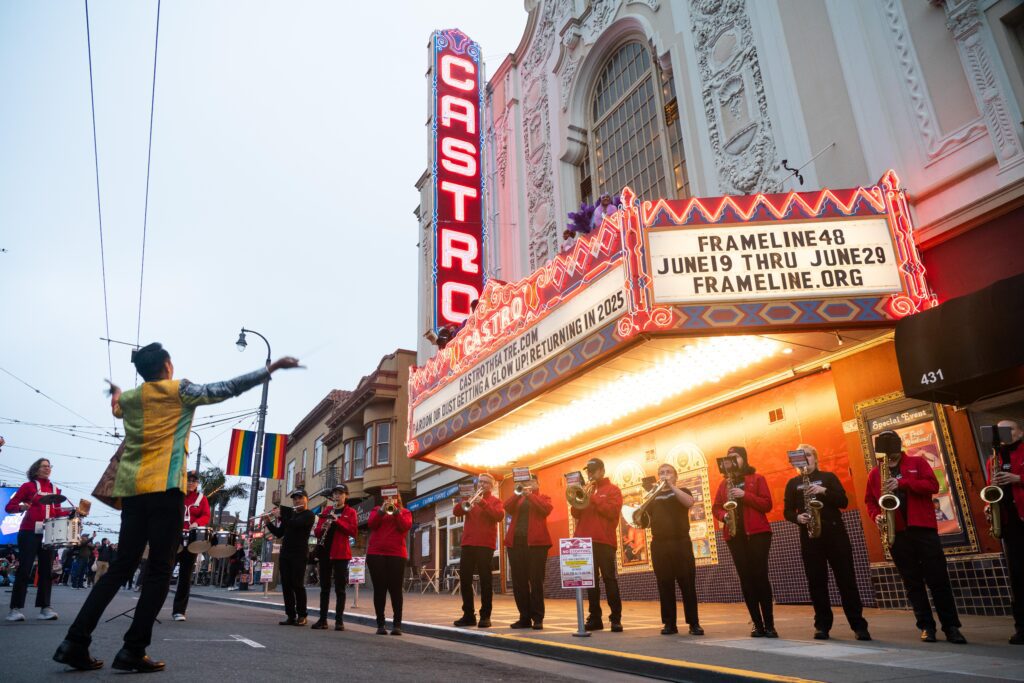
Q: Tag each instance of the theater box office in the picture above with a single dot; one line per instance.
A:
(678, 328)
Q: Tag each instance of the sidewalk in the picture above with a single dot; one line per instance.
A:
(725, 653)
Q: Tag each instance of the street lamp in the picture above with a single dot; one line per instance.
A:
(199, 455)
(257, 458)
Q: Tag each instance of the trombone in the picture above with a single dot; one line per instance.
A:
(638, 516)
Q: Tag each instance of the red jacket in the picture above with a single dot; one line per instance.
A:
(917, 480)
(388, 533)
(537, 528)
(197, 510)
(480, 529)
(28, 493)
(754, 505)
(345, 526)
(1016, 467)
(600, 520)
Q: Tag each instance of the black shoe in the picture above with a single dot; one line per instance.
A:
(522, 623)
(863, 634)
(126, 660)
(1017, 638)
(820, 634)
(484, 623)
(696, 630)
(770, 632)
(338, 626)
(301, 621)
(76, 656)
(616, 627)
(669, 631)
(538, 625)
(287, 622)
(466, 621)
(381, 631)
(928, 635)
(396, 630)
(757, 632)
(953, 635)
(593, 625)
(320, 625)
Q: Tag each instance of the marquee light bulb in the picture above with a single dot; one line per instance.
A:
(705, 362)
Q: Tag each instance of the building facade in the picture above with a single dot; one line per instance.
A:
(704, 98)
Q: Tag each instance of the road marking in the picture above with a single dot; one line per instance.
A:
(250, 643)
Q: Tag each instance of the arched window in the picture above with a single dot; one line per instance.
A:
(635, 136)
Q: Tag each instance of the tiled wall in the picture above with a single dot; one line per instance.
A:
(980, 583)
(719, 583)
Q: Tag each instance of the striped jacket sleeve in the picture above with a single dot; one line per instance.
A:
(202, 394)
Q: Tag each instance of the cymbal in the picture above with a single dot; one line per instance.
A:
(52, 499)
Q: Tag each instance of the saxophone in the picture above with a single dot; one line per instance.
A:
(993, 495)
(890, 503)
(730, 507)
(812, 506)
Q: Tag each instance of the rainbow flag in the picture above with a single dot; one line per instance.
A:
(274, 446)
(240, 453)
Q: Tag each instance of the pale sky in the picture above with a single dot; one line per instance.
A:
(286, 140)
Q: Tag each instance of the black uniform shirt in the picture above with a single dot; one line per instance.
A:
(670, 519)
(834, 500)
(295, 530)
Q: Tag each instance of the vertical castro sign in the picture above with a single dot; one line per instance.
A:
(457, 157)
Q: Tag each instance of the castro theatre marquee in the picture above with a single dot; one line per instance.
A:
(676, 329)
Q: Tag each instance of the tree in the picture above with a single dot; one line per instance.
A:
(216, 489)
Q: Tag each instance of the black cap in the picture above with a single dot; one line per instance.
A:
(595, 464)
(193, 476)
(297, 493)
(339, 487)
(738, 450)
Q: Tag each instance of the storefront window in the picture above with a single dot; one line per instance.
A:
(454, 540)
(382, 449)
(628, 129)
(358, 458)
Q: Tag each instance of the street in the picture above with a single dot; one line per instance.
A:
(231, 643)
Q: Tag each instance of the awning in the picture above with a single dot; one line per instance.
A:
(432, 497)
(967, 348)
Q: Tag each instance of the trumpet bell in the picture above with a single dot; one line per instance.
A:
(389, 508)
(519, 489)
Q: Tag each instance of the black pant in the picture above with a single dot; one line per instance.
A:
(186, 563)
(604, 567)
(386, 573)
(674, 563)
(1013, 545)
(832, 548)
(339, 568)
(30, 548)
(750, 555)
(476, 560)
(153, 518)
(293, 585)
(528, 564)
(917, 552)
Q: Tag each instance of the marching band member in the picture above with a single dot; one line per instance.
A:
(672, 552)
(479, 541)
(30, 539)
(916, 550)
(149, 485)
(197, 514)
(830, 547)
(753, 539)
(295, 525)
(336, 524)
(386, 554)
(528, 542)
(598, 521)
(1011, 509)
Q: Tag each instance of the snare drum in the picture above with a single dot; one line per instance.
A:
(62, 532)
(223, 544)
(199, 539)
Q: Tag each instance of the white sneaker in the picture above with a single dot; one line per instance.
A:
(178, 617)
(15, 615)
(47, 614)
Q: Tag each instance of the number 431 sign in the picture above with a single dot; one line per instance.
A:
(932, 377)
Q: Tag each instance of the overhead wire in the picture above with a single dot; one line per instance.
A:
(149, 161)
(48, 397)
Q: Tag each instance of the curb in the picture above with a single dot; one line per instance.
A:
(625, 662)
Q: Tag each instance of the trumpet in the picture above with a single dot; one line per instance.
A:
(890, 503)
(467, 505)
(390, 507)
(638, 516)
(522, 488)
